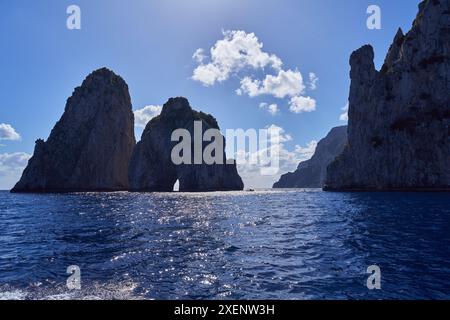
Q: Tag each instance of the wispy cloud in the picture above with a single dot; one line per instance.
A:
(289, 160)
(313, 80)
(344, 116)
(306, 152)
(144, 115)
(199, 56)
(7, 132)
(11, 168)
(271, 108)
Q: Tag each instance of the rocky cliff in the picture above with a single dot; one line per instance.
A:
(152, 168)
(90, 146)
(399, 117)
(312, 173)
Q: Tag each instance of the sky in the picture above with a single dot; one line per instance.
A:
(253, 64)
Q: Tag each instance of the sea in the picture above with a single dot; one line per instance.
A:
(267, 244)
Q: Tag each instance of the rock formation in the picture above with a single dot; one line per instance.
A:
(90, 146)
(399, 117)
(312, 173)
(151, 167)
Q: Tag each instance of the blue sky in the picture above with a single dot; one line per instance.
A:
(151, 44)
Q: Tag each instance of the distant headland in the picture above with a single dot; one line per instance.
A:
(399, 117)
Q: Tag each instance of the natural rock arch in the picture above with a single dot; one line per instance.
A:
(151, 166)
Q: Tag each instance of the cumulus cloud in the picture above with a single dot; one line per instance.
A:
(313, 79)
(144, 115)
(7, 132)
(271, 108)
(11, 167)
(301, 104)
(238, 50)
(241, 54)
(344, 116)
(288, 159)
(285, 83)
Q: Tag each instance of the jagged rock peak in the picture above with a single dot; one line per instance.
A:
(399, 118)
(90, 146)
(362, 65)
(151, 167)
(175, 106)
(394, 51)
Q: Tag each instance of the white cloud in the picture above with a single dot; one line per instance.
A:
(283, 136)
(307, 152)
(208, 74)
(240, 53)
(313, 79)
(14, 160)
(144, 115)
(301, 104)
(11, 167)
(238, 50)
(288, 160)
(7, 132)
(271, 108)
(285, 83)
(344, 116)
(199, 56)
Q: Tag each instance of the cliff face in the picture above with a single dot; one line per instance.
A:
(151, 166)
(312, 173)
(90, 146)
(399, 117)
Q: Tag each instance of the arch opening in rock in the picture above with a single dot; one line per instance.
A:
(176, 186)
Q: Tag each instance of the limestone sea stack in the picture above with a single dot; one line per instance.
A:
(399, 117)
(90, 146)
(312, 173)
(152, 168)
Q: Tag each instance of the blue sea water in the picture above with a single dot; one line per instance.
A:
(286, 244)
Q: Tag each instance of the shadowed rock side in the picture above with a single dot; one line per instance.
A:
(399, 117)
(151, 167)
(90, 146)
(312, 173)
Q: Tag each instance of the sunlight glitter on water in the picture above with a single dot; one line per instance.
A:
(284, 244)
